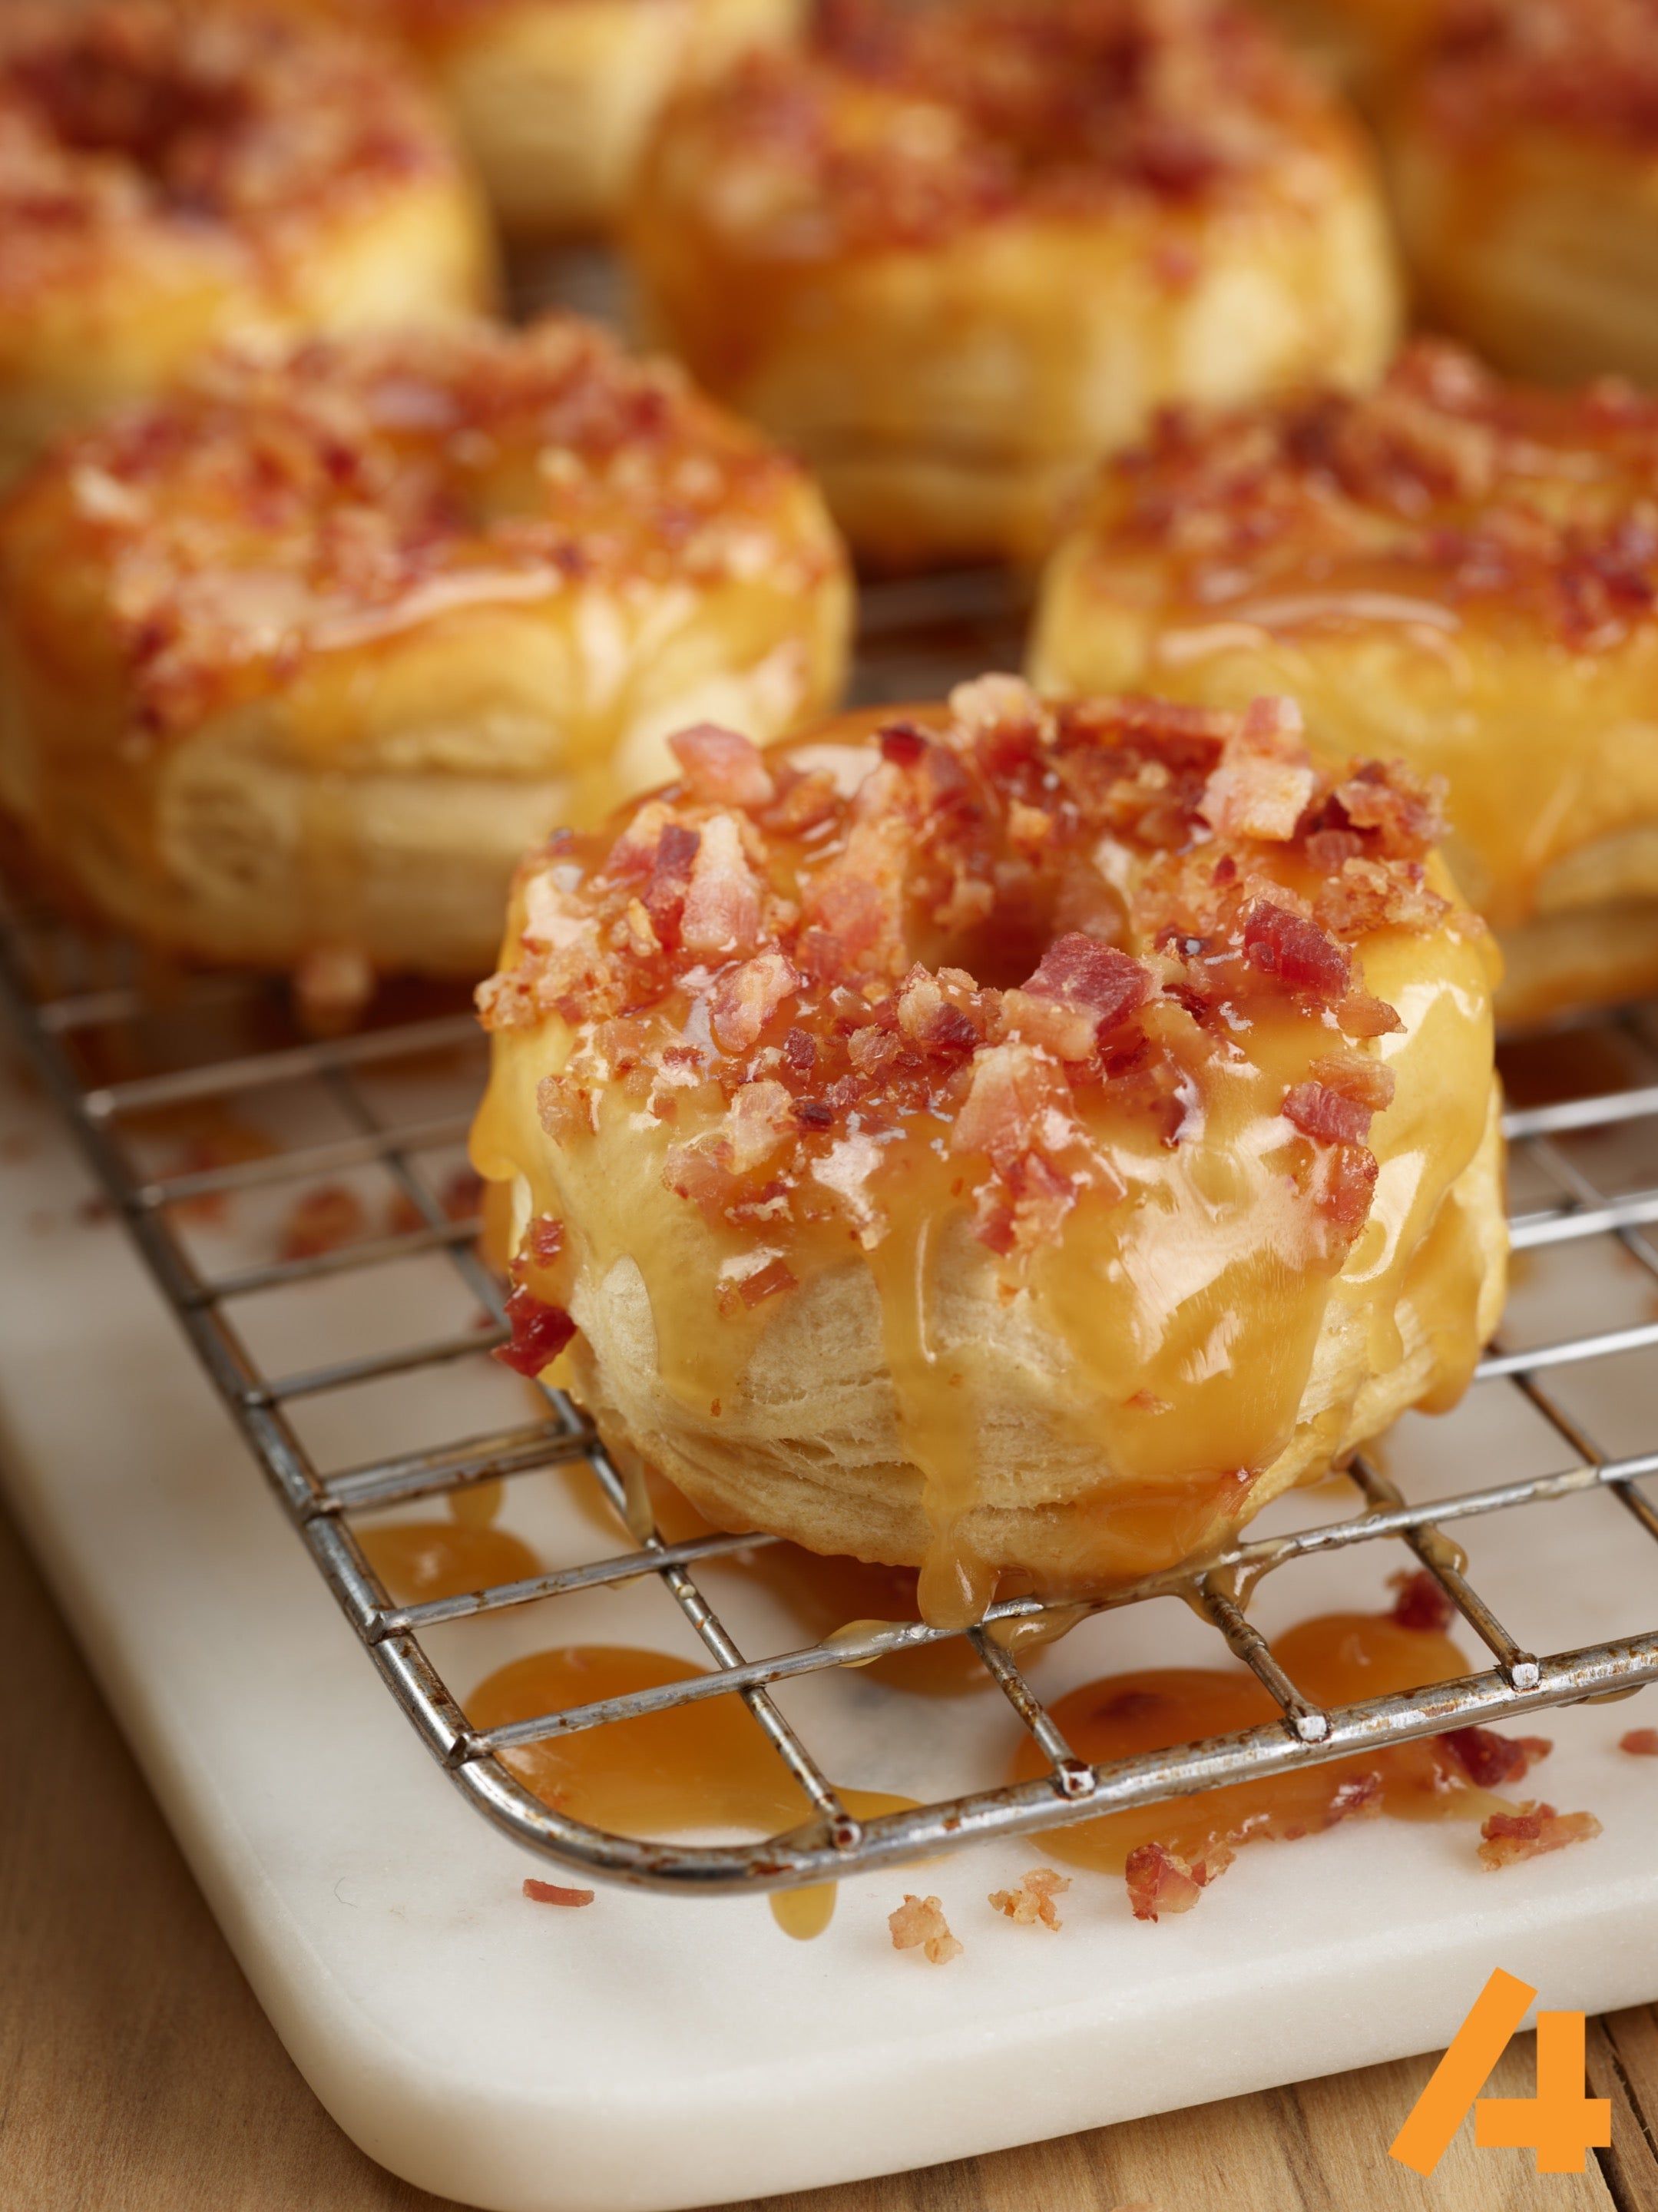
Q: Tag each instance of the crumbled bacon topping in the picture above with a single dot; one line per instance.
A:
(277, 506)
(918, 1923)
(1444, 492)
(1586, 67)
(1509, 1837)
(902, 126)
(1032, 1900)
(322, 1221)
(1640, 1743)
(540, 1333)
(795, 986)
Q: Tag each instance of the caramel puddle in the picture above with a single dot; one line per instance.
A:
(418, 1560)
(702, 1765)
(1336, 1659)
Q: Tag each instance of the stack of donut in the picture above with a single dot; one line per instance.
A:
(1012, 1136)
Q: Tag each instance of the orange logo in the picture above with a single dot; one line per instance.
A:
(1560, 2125)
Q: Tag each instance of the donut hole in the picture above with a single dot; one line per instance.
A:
(142, 106)
(1033, 901)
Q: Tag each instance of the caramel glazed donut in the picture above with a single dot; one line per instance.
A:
(172, 174)
(952, 252)
(554, 99)
(1003, 1138)
(1523, 157)
(295, 663)
(1462, 570)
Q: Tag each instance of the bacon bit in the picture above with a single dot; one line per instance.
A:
(1082, 971)
(1528, 1833)
(1347, 1190)
(808, 800)
(552, 1892)
(1028, 828)
(919, 1922)
(1407, 815)
(540, 1333)
(1033, 1900)
(723, 768)
(903, 745)
(722, 906)
(1266, 780)
(1359, 1015)
(1489, 1760)
(1640, 1743)
(762, 1117)
(332, 985)
(1326, 1115)
(1421, 1603)
(1287, 945)
(543, 1240)
(459, 1200)
(1018, 1112)
(1160, 1880)
(670, 880)
(745, 998)
(323, 1221)
(767, 1282)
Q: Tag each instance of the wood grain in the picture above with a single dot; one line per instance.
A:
(139, 2075)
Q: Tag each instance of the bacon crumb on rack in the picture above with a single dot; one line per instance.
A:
(1422, 1602)
(1640, 1743)
(1531, 1831)
(788, 971)
(918, 1923)
(1033, 1898)
(1160, 1880)
(458, 1200)
(553, 1892)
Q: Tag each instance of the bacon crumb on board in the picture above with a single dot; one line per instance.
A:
(1160, 1880)
(919, 1921)
(1033, 1900)
(1534, 1829)
(1640, 1743)
(1420, 1603)
(324, 1220)
(552, 1892)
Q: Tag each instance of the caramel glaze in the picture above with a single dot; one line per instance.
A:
(718, 1054)
(1454, 566)
(1337, 1659)
(704, 1765)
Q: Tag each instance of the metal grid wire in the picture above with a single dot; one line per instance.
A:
(918, 637)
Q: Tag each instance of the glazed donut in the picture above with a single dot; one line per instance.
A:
(1523, 157)
(998, 1137)
(951, 253)
(301, 657)
(1454, 568)
(172, 175)
(554, 99)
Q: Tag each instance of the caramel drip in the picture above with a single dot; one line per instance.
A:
(693, 1767)
(421, 1560)
(1335, 1659)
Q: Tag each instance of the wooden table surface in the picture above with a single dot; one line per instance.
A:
(139, 2075)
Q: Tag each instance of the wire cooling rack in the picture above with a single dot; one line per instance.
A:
(112, 1051)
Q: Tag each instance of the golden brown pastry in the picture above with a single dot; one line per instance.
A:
(998, 1137)
(1454, 569)
(1523, 156)
(554, 99)
(951, 253)
(301, 658)
(1358, 43)
(172, 175)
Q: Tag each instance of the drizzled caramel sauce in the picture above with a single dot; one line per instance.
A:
(696, 1766)
(1336, 1659)
(421, 1560)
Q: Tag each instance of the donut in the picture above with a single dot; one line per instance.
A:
(1455, 568)
(1522, 149)
(171, 176)
(554, 99)
(952, 252)
(998, 1138)
(296, 661)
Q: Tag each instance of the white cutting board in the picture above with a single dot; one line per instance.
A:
(650, 2052)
